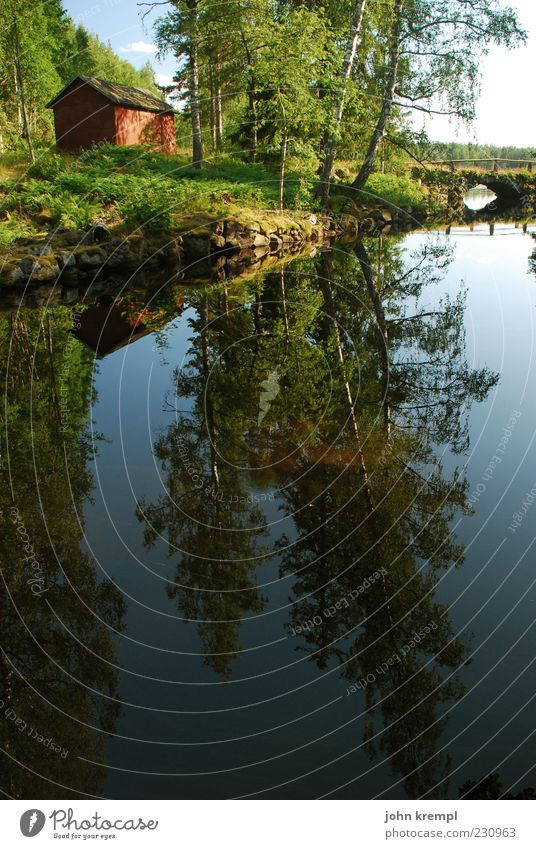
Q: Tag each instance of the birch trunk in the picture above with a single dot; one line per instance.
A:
(387, 106)
(27, 134)
(284, 148)
(338, 111)
(218, 111)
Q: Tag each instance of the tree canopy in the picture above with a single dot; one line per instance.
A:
(295, 85)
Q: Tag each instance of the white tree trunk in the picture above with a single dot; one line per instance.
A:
(388, 99)
(338, 110)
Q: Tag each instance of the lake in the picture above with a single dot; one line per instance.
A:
(275, 539)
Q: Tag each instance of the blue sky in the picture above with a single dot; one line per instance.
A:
(119, 22)
(504, 114)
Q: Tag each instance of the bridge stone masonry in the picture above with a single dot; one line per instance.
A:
(515, 190)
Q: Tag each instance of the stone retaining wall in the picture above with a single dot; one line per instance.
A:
(78, 256)
(203, 249)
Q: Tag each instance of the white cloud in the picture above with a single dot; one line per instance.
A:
(139, 47)
(164, 79)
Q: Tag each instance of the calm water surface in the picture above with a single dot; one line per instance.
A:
(281, 544)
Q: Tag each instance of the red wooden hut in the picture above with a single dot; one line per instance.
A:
(89, 111)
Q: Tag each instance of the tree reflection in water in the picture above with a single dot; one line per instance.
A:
(366, 386)
(58, 680)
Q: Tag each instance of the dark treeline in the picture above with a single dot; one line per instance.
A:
(457, 150)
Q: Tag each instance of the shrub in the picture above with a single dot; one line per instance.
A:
(77, 184)
(14, 228)
(398, 190)
(75, 212)
(149, 210)
(47, 167)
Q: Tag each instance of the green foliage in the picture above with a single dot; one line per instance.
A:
(39, 198)
(395, 189)
(84, 53)
(146, 209)
(267, 80)
(71, 211)
(143, 189)
(26, 38)
(13, 229)
(47, 167)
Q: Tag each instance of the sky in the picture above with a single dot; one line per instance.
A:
(504, 115)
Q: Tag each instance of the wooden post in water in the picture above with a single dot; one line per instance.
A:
(491, 228)
(526, 227)
(447, 231)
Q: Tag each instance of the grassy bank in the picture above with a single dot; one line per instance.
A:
(132, 188)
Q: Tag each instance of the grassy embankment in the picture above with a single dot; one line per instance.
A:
(132, 189)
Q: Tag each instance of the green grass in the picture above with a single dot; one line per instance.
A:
(13, 165)
(137, 189)
(133, 187)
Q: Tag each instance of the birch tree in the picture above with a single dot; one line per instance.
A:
(338, 109)
(434, 60)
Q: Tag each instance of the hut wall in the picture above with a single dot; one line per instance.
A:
(134, 126)
(83, 117)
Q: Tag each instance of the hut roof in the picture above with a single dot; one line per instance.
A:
(105, 330)
(122, 95)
